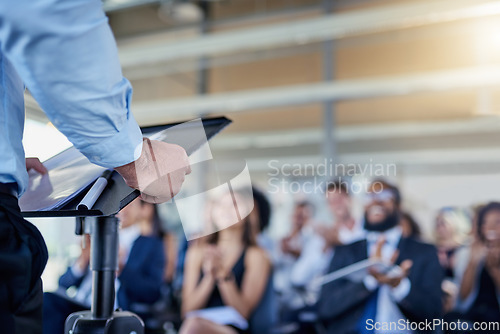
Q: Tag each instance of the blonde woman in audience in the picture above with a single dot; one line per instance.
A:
(452, 230)
(224, 277)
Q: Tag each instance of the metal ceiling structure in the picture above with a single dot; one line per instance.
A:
(435, 81)
(328, 27)
(151, 56)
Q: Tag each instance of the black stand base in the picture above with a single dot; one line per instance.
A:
(119, 323)
(103, 262)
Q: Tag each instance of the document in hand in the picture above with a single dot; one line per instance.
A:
(222, 315)
(358, 271)
(70, 173)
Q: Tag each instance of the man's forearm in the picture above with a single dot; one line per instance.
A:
(66, 55)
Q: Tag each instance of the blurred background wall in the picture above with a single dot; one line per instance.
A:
(410, 84)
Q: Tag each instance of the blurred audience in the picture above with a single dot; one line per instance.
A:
(225, 277)
(412, 290)
(409, 226)
(139, 276)
(259, 220)
(57, 306)
(345, 229)
(452, 231)
(141, 261)
(318, 248)
(479, 293)
(174, 243)
(292, 244)
(290, 247)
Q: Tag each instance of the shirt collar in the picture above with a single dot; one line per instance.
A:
(392, 236)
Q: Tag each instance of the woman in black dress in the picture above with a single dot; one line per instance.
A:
(225, 276)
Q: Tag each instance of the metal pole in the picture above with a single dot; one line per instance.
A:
(104, 263)
(202, 87)
(329, 146)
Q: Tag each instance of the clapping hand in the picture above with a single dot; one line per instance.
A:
(391, 277)
(212, 262)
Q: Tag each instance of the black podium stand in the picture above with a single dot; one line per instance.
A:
(102, 225)
(103, 262)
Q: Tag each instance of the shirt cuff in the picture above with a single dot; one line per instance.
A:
(370, 283)
(402, 290)
(122, 148)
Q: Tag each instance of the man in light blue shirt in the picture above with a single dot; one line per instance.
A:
(65, 54)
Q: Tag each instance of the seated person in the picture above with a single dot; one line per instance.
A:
(173, 241)
(141, 261)
(141, 265)
(318, 249)
(350, 305)
(452, 230)
(259, 220)
(409, 226)
(291, 246)
(227, 275)
(479, 292)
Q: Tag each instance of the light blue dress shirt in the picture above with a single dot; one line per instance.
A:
(388, 313)
(65, 54)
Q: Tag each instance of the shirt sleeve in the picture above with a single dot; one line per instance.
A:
(310, 262)
(402, 290)
(463, 305)
(370, 283)
(66, 54)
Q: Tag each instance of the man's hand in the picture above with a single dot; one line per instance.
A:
(287, 248)
(159, 172)
(391, 278)
(34, 163)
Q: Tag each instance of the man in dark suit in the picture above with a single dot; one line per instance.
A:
(404, 300)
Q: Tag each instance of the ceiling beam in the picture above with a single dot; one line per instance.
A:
(348, 133)
(322, 28)
(157, 111)
(151, 112)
